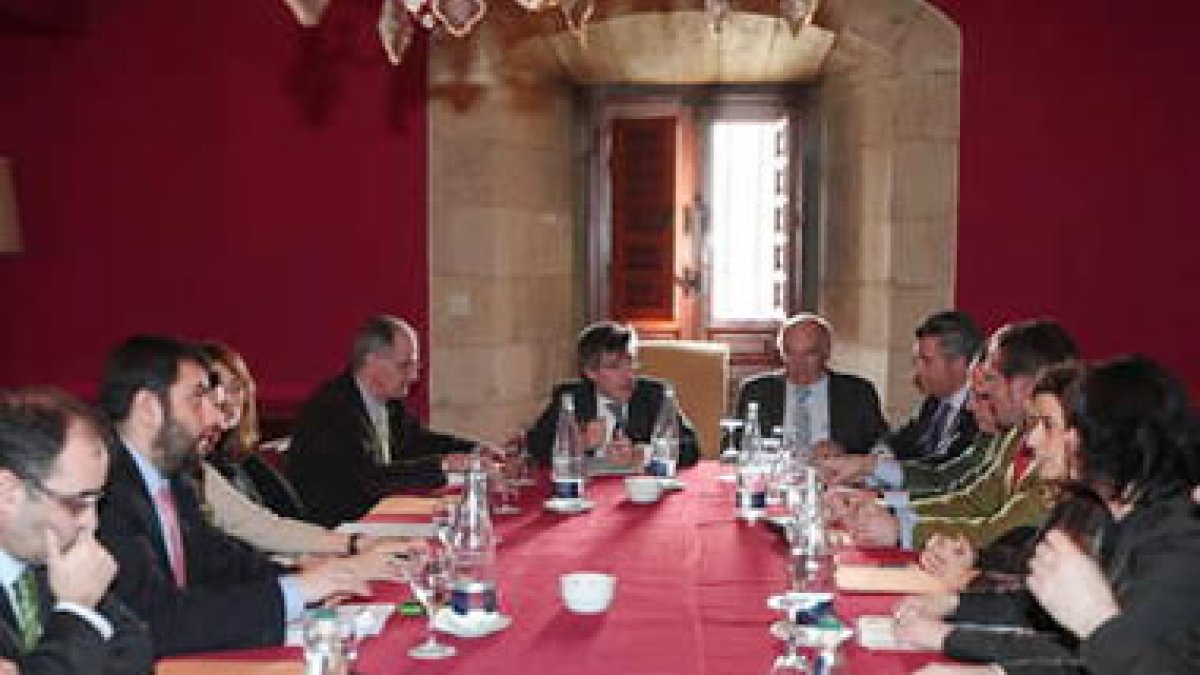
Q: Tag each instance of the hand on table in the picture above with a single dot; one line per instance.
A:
(846, 469)
(593, 434)
(828, 448)
(922, 633)
(383, 559)
(841, 503)
(930, 606)
(330, 580)
(1070, 585)
(950, 558)
(872, 525)
(620, 450)
(82, 572)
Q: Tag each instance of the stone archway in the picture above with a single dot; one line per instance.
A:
(506, 235)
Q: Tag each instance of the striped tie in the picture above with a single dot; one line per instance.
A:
(28, 612)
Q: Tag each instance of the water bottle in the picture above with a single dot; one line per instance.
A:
(473, 542)
(752, 470)
(566, 459)
(664, 440)
(323, 651)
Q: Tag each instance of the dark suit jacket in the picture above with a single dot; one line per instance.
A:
(910, 441)
(232, 598)
(70, 645)
(333, 460)
(855, 419)
(643, 409)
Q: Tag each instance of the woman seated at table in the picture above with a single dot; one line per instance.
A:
(1140, 455)
(1055, 445)
(237, 513)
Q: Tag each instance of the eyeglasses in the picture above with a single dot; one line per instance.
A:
(75, 504)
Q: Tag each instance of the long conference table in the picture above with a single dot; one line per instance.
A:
(691, 595)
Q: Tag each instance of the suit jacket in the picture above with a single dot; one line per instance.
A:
(643, 410)
(232, 598)
(70, 645)
(855, 418)
(909, 441)
(333, 460)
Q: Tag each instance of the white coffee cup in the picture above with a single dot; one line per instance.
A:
(643, 489)
(587, 592)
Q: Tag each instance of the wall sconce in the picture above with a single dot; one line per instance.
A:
(10, 226)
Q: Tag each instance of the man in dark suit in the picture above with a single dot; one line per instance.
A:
(198, 588)
(835, 413)
(944, 426)
(615, 408)
(55, 612)
(354, 443)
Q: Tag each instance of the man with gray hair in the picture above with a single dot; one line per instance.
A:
(833, 412)
(354, 443)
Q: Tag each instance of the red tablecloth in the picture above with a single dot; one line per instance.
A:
(691, 590)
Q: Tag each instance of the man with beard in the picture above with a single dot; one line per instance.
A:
(56, 615)
(197, 588)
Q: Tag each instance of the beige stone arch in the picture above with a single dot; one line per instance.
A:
(505, 231)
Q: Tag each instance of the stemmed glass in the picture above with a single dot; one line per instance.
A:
(429, 577)
(792, 659)
(442, 520)
(503, 482)
(516, 447)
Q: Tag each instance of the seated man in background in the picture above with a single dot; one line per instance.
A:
(615, 408)
(835, 413)
(944, 426)
(59, 617)
(196, 587)
(1006, 494)
(354, 443)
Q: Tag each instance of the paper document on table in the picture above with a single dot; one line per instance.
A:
(880, 579)
(423, 530)
(368, 620)
(406, 506)
(879, 632)
(189, 666)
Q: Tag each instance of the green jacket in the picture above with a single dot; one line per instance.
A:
(923, 478)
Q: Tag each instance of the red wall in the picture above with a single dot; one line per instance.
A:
(208, 168)
(1080, 164)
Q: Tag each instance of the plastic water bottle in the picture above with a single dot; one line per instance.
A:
(664, 440)
(473, 542)
(566, 458)
(752, 470)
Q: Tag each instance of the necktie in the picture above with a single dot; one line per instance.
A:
(802, 421)
(933, 442)
(383, 430)
(169, 519)
(618, 415)
(28, 612)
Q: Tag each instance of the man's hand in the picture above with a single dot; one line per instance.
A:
(841, 503)
(922, 633)
(461, 461)
(931, 606)
(959, 669)
(1070, 585)
(81, 574)
(828, 448)
(873, 525)
(619, 450)
(332, 579)
(950, 558)
(846, 469)
(593, 433)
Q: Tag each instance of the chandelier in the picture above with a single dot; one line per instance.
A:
(398, 19)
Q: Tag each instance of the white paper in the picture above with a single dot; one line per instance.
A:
(426, 530)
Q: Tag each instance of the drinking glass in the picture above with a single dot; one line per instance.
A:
(429, 578)
(523, 473)
(501, 481)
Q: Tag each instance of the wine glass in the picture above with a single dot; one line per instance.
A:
(502, 483)
(791, 659)
(442, 520)
(522, 474)
(430, 578)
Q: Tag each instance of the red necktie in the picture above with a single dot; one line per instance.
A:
(170, 525)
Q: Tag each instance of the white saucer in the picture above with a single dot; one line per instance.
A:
(811, 636)
(786, 601)
(560, 505)
(475, 625)
(671, 483)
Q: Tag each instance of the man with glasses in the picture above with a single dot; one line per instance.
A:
(354, 443)
(615, 407)
(56, 615)
(835, 413)
(196, 587)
